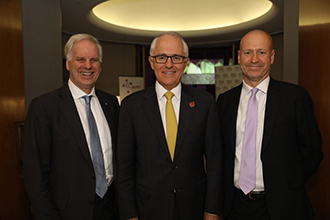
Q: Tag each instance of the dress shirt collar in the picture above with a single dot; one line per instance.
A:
(160, 91)
(263, 86)
(78, 93)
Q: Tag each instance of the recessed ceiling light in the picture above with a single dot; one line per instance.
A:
(180, 15)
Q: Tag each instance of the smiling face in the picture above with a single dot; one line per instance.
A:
(84, 66)
(255, 57)
(168, 74)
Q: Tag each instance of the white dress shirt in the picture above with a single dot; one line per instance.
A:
(160, 91)
(240, 128)
(101, 122)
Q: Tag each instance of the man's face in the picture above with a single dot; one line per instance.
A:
(84, 66)
(255, 57)
(168, 74)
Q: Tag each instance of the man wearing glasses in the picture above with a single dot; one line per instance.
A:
(167, 133)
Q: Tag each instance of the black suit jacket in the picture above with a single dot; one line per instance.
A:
(57, 166)
(147, 177)
(291, 148)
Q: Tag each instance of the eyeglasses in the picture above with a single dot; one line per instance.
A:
(176, 59)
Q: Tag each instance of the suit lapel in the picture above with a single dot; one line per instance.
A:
(272, 106)
(109, 113)
(232, 115)
(70, 113)
(187, 109)
(151, 108)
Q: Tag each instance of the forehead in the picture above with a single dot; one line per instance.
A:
(255, 41)
(168, 44)
(85, 47)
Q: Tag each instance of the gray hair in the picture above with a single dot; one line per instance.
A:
(78, 37)
(171, 33)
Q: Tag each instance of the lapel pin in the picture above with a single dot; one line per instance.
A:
(192, 104)
(106, 103)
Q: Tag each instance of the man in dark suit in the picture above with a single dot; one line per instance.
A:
(60, 154)
(155, 179)
(283, 142)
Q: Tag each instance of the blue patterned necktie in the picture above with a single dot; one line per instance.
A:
(97, 154)
(247, 176)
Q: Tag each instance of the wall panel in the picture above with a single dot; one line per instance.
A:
(314, 75)
(13, 202)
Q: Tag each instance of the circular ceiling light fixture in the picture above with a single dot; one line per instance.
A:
(180, 15)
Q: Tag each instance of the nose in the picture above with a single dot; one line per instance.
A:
(169, 63)
(254, 58)
(87, 64)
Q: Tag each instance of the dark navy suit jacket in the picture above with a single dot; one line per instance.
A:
(148, 180)
(291, 148)
(57, 166)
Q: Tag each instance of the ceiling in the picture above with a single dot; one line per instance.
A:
(77, 17)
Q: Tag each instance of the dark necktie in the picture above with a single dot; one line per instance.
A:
(247, 176)
(97, 154)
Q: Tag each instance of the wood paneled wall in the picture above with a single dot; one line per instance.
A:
(13, 202)
(314, 75)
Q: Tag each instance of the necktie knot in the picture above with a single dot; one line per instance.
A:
(169, 95)
(254, 91)
(87, 99)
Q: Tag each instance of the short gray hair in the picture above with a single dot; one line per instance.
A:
(78, 37)
(171, 33)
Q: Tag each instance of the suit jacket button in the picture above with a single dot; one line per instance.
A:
(175, 167)
(173, 191)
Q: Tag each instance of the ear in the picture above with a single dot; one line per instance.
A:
(239, 57)
(186, 62)
(152, 64)
(272, 56)
(67, 65)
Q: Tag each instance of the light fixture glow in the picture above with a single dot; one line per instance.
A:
(180, 15)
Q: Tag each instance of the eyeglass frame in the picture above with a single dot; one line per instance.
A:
(164, 55)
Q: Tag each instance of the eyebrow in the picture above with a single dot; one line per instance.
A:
(78, 57)
(164, 54)
(255, 49)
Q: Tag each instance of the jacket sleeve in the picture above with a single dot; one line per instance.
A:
(308, 135)
(213, 155)
(36, 162)
(125, 181)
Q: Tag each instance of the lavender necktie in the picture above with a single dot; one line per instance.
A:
(97, 154)
(247, 177)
